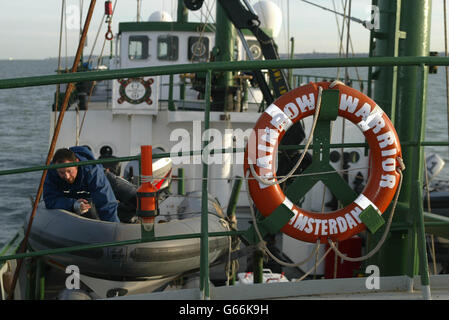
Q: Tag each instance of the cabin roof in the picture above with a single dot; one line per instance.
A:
(165, 26)
(174, 26)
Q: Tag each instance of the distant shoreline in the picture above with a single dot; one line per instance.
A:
(282, 55)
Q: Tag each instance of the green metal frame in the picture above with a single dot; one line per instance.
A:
(320, 157)
(405, 31)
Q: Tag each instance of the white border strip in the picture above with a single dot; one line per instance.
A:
(283, 122)
(363, 202)
(288, 203)
(364, 124)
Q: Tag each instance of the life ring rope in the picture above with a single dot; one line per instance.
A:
(306, 148)
(387, 227)
(262, 244)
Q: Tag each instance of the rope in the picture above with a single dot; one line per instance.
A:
(59, 59)
(96, 38)
(387, 229)
(331, 243)
(51, 150)
(77, 122)
(347, 40)
(313, 268)
(335, 264)
(98, 61)
(145, 179)
(291, 176)
(340, 36)
(231, 265)
(340, 49)
(334, 11)
(432, 238)
(262, 244)
(309, 141)
(263, 247)
(66, 41)
(203, 28)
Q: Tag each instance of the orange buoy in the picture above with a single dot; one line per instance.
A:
(147, 205)
(385, 151)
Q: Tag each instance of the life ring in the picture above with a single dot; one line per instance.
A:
(385, 154)
(135, 90)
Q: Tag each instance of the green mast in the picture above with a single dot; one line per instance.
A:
(386, 45)
(400, 254)
(223, 51)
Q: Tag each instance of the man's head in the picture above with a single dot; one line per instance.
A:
(66, 156)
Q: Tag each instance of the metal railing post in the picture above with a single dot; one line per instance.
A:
(39, 290)
(230, 212)
(204, 255)
(181, 182)
(171, 104)
(417, 174)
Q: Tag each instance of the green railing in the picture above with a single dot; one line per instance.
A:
(209, 68)
(220, 66)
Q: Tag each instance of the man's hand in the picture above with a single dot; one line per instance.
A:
(81, 206)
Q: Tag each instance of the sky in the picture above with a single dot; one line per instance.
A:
(30, 29)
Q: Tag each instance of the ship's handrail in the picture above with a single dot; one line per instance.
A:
(192, 68)
(220, 66)
(199, 152)
(111, 244)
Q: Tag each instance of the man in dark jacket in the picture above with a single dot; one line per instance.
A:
(71, 188)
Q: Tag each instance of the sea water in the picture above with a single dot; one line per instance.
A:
(25, 119)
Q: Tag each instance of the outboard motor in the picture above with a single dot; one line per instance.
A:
(106, 153)
(162, 171)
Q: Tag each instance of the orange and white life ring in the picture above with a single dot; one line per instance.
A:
(385, 153)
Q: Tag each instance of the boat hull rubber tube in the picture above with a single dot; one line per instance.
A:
(59, 228)
(385, 151)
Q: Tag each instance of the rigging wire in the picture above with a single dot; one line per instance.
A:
(432, 237)
(96, 39)
(209, 12)
(340, 49)
(302, 175)
(343, 122)
(347, 39)
(387, 227)
(336, 12)
(359, 78)
(66, 41)
(94, 83)
(58, 86)
(139, 10)
(51, 150)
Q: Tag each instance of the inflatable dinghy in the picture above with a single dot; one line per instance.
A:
(60, 228)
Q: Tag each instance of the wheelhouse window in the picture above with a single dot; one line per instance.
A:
(198, 49)
(167, 48)
(138, 48)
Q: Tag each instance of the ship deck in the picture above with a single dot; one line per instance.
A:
(390, 288)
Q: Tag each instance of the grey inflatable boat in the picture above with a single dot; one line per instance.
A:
(59, 228)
